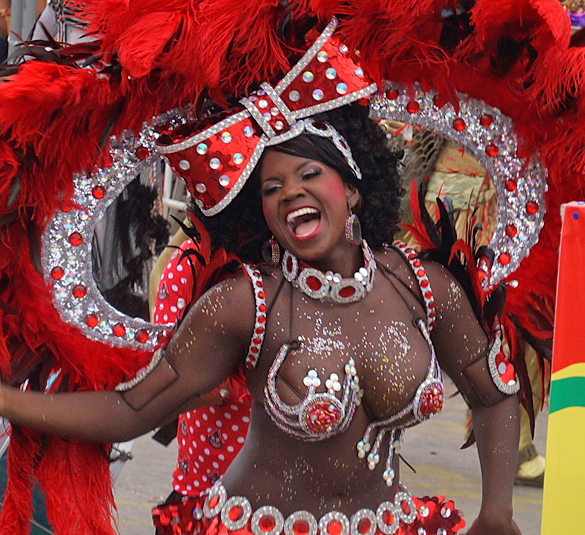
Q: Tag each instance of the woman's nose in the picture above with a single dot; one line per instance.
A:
(292, 189)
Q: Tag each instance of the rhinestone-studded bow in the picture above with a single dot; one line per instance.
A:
(216, 161)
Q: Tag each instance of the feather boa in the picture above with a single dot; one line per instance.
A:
(56, 119)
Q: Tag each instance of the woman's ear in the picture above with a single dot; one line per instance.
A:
(352, 195)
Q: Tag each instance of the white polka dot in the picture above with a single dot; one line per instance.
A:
(233, 407)
(198, 423)
(195, 483)
(206, 451)
(165, 318)
(175, 288)
(174, 309)
(205, 417)
(196, 464)
(191, 430)
(183, 280)
(177, 488)
(191, 451)
(189, 487)
(202, 437)
(240, 440)
(201, 458)
(230, 449)
(183, 442)
(224, 435)
(188, 415)
(219, 423)
(235, 428)
(215, 465)
(221, 457)
(171, 275)
(228, 415)
(179, 267)
(184, 492)
(156, 320)
(161, 306)
(180, 478)
(204, 478)
(212, 410)
(245, 419)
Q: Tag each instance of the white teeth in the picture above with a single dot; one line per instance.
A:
(298, 213)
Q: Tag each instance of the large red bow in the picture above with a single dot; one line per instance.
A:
(216, 161)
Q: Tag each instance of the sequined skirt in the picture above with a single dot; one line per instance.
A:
(218, 514)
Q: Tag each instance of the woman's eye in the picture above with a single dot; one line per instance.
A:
(267, 190)
(311, 173)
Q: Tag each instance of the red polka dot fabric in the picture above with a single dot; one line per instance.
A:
(209, 438)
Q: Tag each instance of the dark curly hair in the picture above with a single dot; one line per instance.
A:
(240, 228)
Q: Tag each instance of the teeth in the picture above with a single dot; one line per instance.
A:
(300, 212)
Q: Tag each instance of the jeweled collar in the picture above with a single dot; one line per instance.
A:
(330, 286)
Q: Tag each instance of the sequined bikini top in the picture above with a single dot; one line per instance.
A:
(322, 415)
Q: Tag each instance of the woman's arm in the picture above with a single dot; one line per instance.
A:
(460, 341)
(208, 346)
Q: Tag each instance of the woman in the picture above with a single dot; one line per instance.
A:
(359, 359)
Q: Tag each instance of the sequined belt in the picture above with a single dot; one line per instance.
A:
(236, 511)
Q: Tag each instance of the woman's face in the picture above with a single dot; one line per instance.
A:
(305, 204)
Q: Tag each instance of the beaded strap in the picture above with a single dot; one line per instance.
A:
(423, 281)
(260, 324)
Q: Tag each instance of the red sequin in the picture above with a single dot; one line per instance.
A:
(334, 527)
(141, 153)
(431, 400)
(79, 291)
(75, 238)
(531, 207)
(511, 185)
(412, 106)
(267, 523)
(491, 150)
(99, 192)
(504, 259)
(235, 513)
(321, 415)
(511, 230)
(141, 336)
(91, 320)
(119, 329)
(459, 124)
(486, 120)
(392, 94)
(364, 526)
(387, 518)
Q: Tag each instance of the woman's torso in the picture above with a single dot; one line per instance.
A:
(392, 358)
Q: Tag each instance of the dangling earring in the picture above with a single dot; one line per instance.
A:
(353, 229)
(271, 252)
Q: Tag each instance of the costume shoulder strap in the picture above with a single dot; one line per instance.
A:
(422, 279)
(260, 324)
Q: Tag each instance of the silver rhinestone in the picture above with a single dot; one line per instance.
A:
(200, 188)
(226, 137)
(267, 116)
(262, 104)
(279, 125)
(331, 73)
(275, 111)
(238, 158)
(441, 531)
(201, 148)
(322, 56)
(359, 72)
(294, 96)
(343, 49)
(341, 88)
(184, 165)
(318, 94)
(224, 180)
(248, 131)
(214, 163)
(308, 76)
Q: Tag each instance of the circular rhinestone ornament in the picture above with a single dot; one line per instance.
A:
(201, 149)
(491, 150)
(406, 507)
(331, 73)
(486, 120)
(322, 413)
(301, 523)
(322, 56)
(57, 273)
(91, 320)
(214, 163)
(267, 520)
(532, 207)
(294, 96)
(387, 517)
(392, 94)
(459, 124)
(79, 291)
(75, 238)
(511, 185)
(334, 523)
(215, 500)
(98, 192)
(141, 336)
(185, 165)
(318, 94)
(429, 400)
(413, 106)
(200, 187)
(363, 522)
(343, 49)
(238, 158)
(341, 88)
(504, 259)
(142, 153)
(511, 230)
(308, 76)
(226, 137)
(119, 330)
(249, 131)
(224, 181)
(236, 512)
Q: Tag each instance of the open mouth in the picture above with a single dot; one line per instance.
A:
(304, 221)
